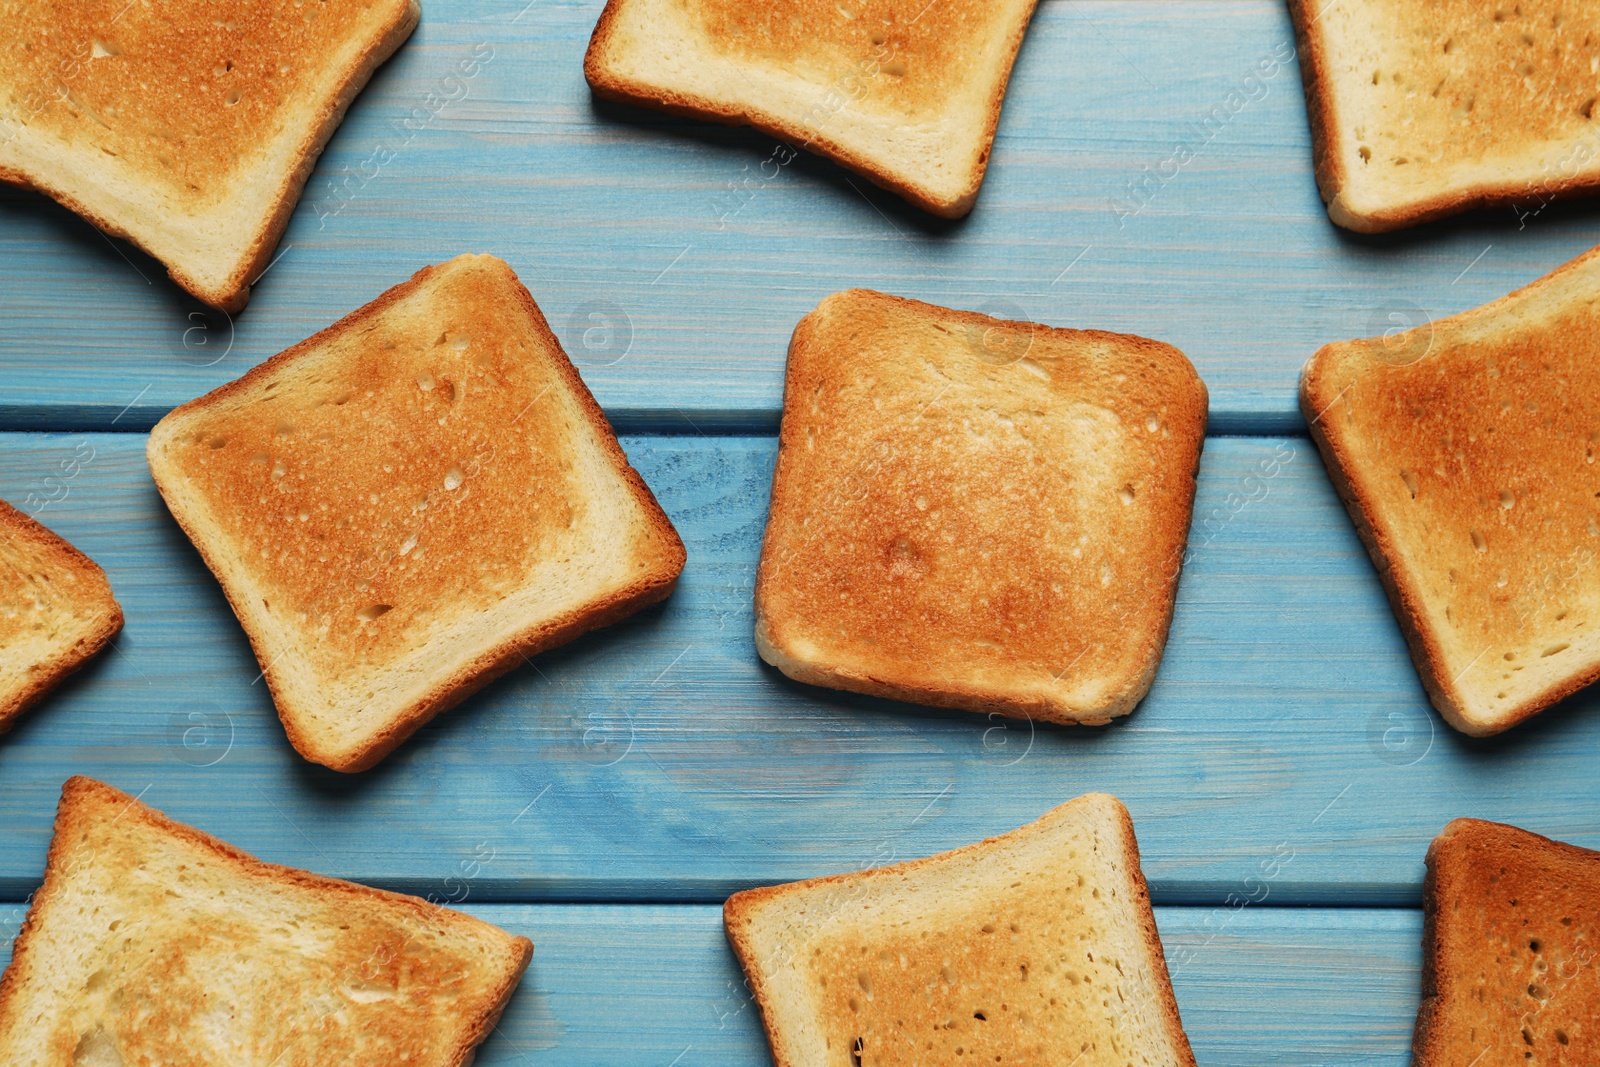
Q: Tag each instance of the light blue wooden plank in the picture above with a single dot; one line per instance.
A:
(632, 985)
(704, 261)
(660, 760)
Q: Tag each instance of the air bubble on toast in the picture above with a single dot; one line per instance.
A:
(1508, 499)
(425, 382)
(1559, 646)
(374, 611)
(1410, 478)
(102, 49)
(453, 479)
(1127, 494)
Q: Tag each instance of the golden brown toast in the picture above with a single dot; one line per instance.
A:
(1034, 947)
(409, 504)
(189, 126)
(56, 612)
(153, 943)
(1511, 935)
(906, 93)
(1420, 110)
(977, 514)
(1465, 451)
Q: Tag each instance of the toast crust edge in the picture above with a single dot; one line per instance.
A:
(233, 292)
(1317, 397)
(79, 790)
(496, 661)
(1192, 402)
(618, 89)
(1332, 177)
(68, 661)
(1439, 979)
(739, 912)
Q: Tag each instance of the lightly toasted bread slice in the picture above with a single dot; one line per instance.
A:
(187, 126)
(1037, 946)
(1510, 973)
(905, 93)
(1465, 451)
(977, 514)
(56, 612)
(409, 504)
(152, 942)
(1424, 110)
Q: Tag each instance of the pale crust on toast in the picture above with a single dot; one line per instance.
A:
(1465, 452)
(1422, 111)
(1511, 950)
(429, 495)
(977, 514)
(56, 612)
(188, 128)
(1001, 949)
(151, 941)
(905, 93)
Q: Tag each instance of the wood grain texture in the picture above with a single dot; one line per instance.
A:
(1286, 751)
(673, 258)
(630, 985)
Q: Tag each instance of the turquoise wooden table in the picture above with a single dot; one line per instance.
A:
(604, 800)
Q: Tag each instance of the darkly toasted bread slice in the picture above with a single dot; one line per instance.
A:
(904, 92)
(1034, 947)
(153, 943)
(409, 504)
(1465, 451)
(1424, 110)
(977, 514)
(187, 126)
(56, 612)
(1511, 950)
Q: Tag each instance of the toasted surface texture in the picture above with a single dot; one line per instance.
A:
(1511, 921)
(409, 504)
(903, 92)
(1034, 947)
(977, 514)
(1423, 110)
(56, 612)
(187, 126)
(153, 943)
(1465, 451)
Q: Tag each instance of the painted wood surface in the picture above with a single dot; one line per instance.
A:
(674, 257)
(655, 986)
(660, 760)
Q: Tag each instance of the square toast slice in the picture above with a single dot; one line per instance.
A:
(151, 942)
(905, 93)
(1511, 922)
(1421, 110)
(187, 126)
(56, 612)
(1037, 946)
(977, 514)
(409, 504)
(1465, 451)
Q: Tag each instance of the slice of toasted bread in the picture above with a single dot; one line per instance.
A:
(1510, 973)
(56, 612)
(189, 126)
(977, 514)
(409, 504)
(1037, 946)
(1465, 451)
(153, 943)
(1423, 110)
(905, 93)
